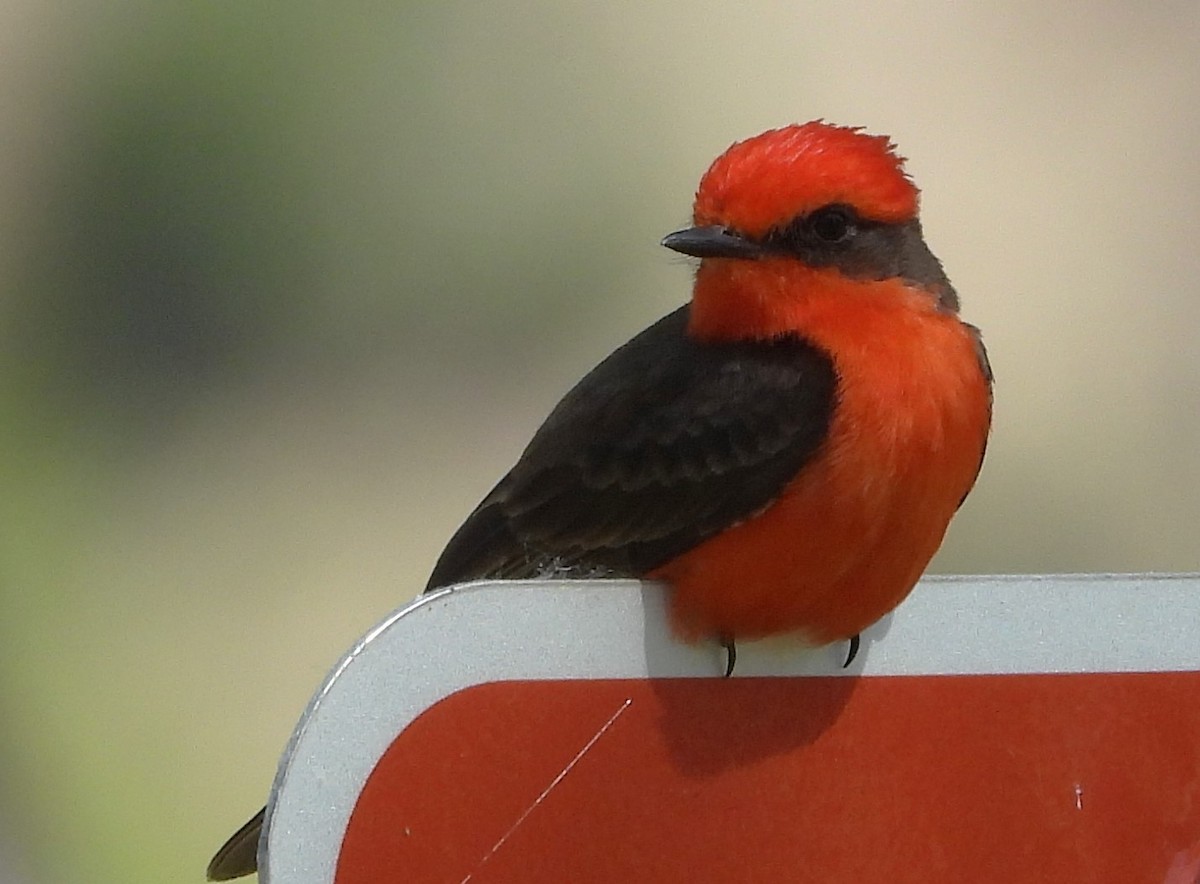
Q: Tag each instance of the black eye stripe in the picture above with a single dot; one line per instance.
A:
(832, 226)
(864, 249)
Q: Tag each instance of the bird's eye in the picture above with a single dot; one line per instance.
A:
(832, 224)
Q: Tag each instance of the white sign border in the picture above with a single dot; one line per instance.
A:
(616, 629)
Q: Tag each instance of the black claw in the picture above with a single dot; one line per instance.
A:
(730, 655)
(855, 641)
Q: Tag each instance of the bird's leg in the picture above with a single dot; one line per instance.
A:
(730, 654)
(855, 641)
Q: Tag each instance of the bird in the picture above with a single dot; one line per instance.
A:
(786, 450)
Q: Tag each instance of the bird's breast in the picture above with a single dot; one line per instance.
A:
(850, 535)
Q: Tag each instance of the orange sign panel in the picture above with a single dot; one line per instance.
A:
(948, 778)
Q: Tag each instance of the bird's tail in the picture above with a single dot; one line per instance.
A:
(239, 855)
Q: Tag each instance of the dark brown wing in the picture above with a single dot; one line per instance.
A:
(662, 445)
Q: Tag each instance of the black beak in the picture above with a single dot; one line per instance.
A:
(712, 242)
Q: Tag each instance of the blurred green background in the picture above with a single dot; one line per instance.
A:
(286, 287)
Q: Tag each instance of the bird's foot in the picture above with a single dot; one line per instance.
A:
(730, 654)
(855, 641)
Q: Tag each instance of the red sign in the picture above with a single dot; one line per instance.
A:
(997, 730)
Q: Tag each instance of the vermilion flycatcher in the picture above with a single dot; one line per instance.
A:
(787, 450)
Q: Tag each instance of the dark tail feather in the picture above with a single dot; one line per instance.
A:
(239, 855)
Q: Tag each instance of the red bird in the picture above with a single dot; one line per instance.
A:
(787, 450)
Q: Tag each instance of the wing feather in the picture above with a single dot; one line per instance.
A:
(665, 443)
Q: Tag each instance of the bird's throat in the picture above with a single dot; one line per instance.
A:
(735, 300)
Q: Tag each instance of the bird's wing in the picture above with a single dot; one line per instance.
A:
(664, 444)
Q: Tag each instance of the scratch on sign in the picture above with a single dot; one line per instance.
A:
(553, 783)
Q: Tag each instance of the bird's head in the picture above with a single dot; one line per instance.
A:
(813, 197)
